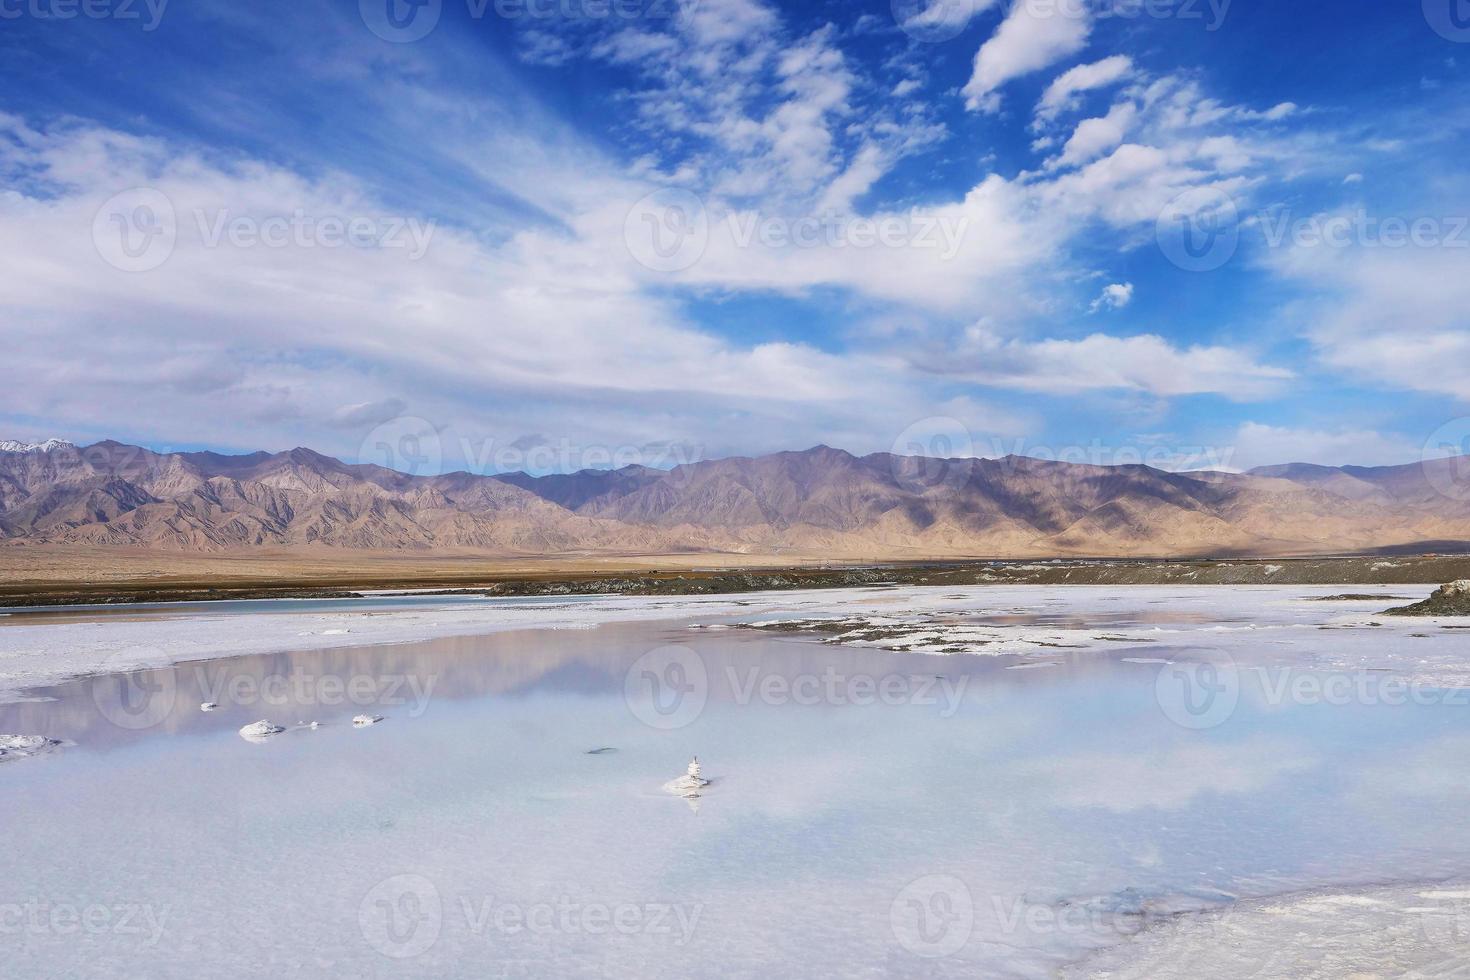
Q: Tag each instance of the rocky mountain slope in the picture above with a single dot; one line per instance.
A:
(818, 502)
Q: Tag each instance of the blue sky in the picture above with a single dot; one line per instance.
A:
(605, 231)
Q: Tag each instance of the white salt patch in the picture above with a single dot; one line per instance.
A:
(1371, 933)
(13, 747)
(691, 784)
(259, 731)
(208, 706)
(362, 721)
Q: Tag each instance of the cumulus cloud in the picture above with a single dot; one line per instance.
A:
(1065, 89)
(1094, 137)
(1113, 297)
(1385, 314)
(1030, 38)
(937, 18)
(536, 315)
(1144, 363)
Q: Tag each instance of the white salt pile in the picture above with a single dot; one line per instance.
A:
(208, 706)
(689, 784)
(25, 746)
(362, 721)
(259, 731)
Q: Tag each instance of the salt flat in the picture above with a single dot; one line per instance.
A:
(1185, 781)
(45, 647)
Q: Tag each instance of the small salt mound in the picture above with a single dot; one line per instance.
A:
(690, 784)
(208, 705)
(25, 746)
(259, 731)
(362, 721)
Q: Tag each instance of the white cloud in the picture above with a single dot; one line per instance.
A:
(250, 345)
(1029, 39)
(937, 19)
(1388, 315)
(1145, 363)
(1257, 444)
(1113, 297)
(1094, 137)
(1062, 93)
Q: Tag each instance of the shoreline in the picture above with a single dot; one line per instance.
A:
(172, 579)
(41, 649)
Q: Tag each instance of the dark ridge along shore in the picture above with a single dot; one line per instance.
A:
(1362, 570)
(1452, 599)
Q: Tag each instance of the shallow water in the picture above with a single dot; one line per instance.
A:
(871, 813)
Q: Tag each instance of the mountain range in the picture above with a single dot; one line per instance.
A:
(820, 502)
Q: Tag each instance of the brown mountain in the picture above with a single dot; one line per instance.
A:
(819, 502)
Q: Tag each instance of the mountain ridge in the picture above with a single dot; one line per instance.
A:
(819, 501)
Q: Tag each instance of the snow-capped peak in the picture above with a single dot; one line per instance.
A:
(11, 446)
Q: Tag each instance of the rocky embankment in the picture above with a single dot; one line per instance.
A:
(1448, 600)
